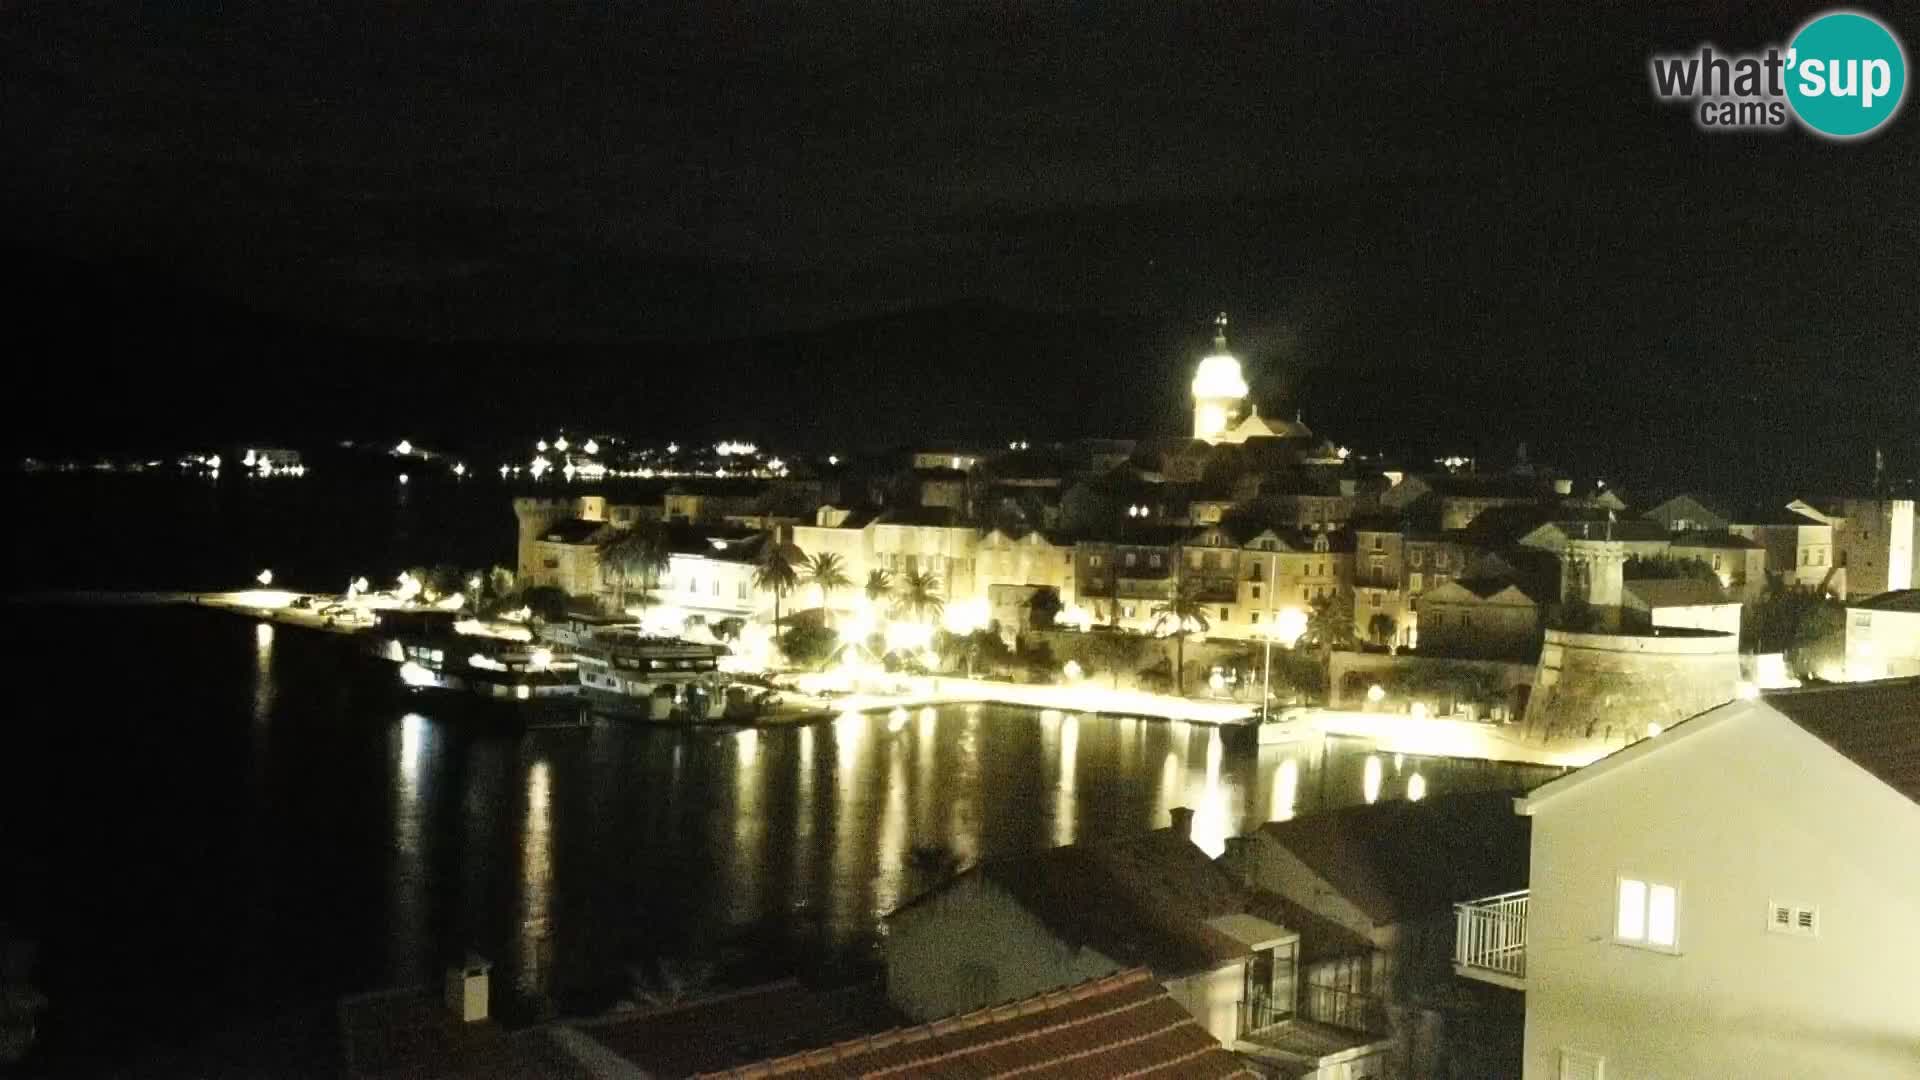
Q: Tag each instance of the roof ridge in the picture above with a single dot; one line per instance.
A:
(936, 1029)
(1013, 1037)
(1806, 690)
(787, 982)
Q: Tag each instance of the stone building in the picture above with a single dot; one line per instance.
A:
(1883, 636)
(1618, 688)
(1481, 617)
(1798, 548)
(1874, 539)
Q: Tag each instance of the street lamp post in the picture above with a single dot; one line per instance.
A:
(1266, 679)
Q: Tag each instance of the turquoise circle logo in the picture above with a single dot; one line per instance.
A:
(1847, 74)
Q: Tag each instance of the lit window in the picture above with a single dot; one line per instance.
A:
(1647, 914)
(1131, 558)
(1154, 559)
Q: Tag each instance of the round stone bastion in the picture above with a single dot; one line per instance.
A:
(1611, 687)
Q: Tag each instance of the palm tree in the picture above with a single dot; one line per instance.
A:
(1184, 607)
(920, 597)
(1328, 625)
(637, 552)
(775, 573)
(879, 587)
(827, 572)
(1381, 628)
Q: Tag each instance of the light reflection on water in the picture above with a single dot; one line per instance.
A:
(682, 838)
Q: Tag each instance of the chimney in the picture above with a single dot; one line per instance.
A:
(1238, 849)
(467, 989)
(1182, 821)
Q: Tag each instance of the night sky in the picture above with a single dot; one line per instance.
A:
(1450, 227)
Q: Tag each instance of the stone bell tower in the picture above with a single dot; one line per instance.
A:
(1219, 389)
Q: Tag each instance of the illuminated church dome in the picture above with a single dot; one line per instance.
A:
(1219, 389)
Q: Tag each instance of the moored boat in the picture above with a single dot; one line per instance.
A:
(434, 656)
(627, 673)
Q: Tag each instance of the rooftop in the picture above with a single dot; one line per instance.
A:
(1875, 725)
(1146, 900)
(1676, 592)
(1907, 600)
(1770, 514)
(411, 1035)
(574, 531)
(1719, 539)
(737, 1029)
(1404, 860)
(1121, 1025)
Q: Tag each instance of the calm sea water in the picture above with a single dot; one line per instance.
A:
(211, 822)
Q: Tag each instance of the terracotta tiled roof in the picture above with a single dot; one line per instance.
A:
(733, 1029)
(408, 1035)
(1121, 1025)
(1876, 725)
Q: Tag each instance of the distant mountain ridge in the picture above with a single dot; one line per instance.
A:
(121, 357)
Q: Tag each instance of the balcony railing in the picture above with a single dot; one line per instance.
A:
(1350, 1009)
(1490, 939)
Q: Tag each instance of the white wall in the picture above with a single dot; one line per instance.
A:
(1751, 811)
(1266, 865)
(1213, 997)
(1882, 644)
(971, 946)
(1724, 618)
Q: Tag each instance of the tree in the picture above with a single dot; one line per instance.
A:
(774, 573)
(1577, 614)
(809, 646)
(920, 597)
(1180, 609)
(636, 552)
(1043, 607)
(827, 572)
(1329, 626)
(1382, 628)
(1666, 568)
(879, 587)
(444, 580)
(981, 648)
(1108, 651)
(1294, 670)
(1805, 624)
